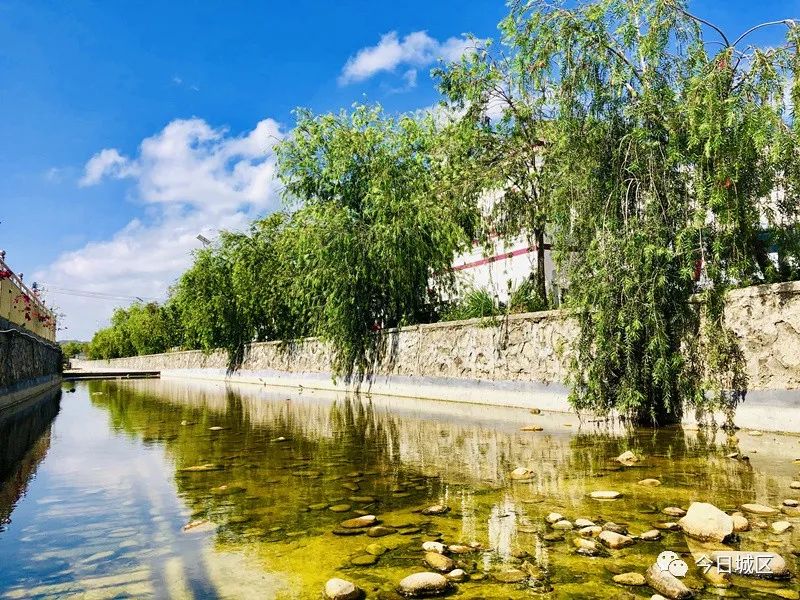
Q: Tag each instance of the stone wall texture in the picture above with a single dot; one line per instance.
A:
(528, 347)
(25, 358)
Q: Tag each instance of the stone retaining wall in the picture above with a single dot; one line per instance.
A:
(522, 348)
(27, 363)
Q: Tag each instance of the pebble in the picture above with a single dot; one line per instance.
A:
(376, 549)
(591, 531)
(630, 579)
(554, 517)
(740, 523)
(652, 535)
(340, 589)
(380, 531)
(759, 509)
(433, 547)
(605, 495)
(364, 560)
(674, 511)
(457, 575)
(781, 526)
(791, 503)
(627, 458)
(359, 522)
(581, 523)
(510, 576)
(611, 526)
(459, 549)
(521, 474)
(562, 525)
(705, 522)
(667, 584)
(436, 509)
(340, 508)
(586, 547)
(795, 485)
(420, 585)
(650, 482)
(614, 540)
(439, 562)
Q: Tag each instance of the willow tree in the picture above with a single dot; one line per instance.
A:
(235, 292)
(665, 139)
(379, 217)
(508, 116)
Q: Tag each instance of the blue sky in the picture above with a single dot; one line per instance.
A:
(127, 128)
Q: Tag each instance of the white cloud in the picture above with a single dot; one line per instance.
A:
(108, 162)
(195, 179)
(416, 49)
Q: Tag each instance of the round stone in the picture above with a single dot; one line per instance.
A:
(420, 585)
(340, 589)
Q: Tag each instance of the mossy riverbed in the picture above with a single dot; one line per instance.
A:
(171, 489)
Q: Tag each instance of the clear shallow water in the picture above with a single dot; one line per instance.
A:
(94, 501)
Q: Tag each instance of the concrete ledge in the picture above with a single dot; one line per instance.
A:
(16, 394)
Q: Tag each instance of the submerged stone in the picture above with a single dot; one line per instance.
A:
(706, 522)
(759, 509)
(605, 495)
(615, 540)
(364, 560)
(629, 579)
(340, 589)
(359, 522)
(422, 585)
(439, 562)
(436, 509)
(380, 531)
(510, 576)
(667, 584)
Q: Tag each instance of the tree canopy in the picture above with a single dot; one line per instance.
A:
(658, 154)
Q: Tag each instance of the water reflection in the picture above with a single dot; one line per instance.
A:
(24, 442)
(177, 489)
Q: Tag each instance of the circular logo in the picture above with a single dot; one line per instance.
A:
(669, 561)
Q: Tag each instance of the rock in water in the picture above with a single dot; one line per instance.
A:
(629, 579)
(781, 526)
(740, 522)
(759, 509)
(605, 495)
(667, 584)
(766, 565)
(436, 509)
(433, 547)
(380, 531)
(627, 458)
(553, 517)
(359, 522)
(521, 474)
(650, 482)
(339, 589)
(421, 585)
(706, 522)
(615, 540)
(439, 562)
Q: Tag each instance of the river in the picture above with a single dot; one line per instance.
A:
(175, 489)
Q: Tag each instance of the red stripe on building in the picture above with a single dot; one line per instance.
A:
(496, 257)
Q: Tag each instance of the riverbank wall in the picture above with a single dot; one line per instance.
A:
(519, 360)
(29, 364)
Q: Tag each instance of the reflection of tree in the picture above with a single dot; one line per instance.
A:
(24, 442)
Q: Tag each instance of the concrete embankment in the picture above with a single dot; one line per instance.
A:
(29, 364)
(516, 361)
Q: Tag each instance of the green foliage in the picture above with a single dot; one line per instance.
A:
(527, 298)
(139, 329)
(72, 348)
(236, 291)
(474, 304)
(378, 224)
(661, 152)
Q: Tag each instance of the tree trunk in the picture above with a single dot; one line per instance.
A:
(541, 282)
